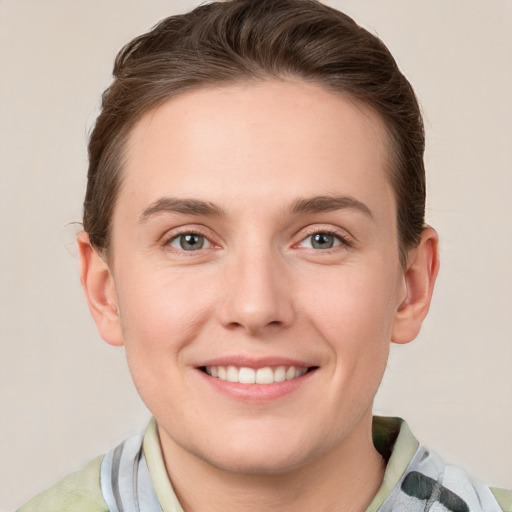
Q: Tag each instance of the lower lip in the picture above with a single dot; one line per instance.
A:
(256, 392)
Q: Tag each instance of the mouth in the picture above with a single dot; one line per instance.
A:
(264, 375)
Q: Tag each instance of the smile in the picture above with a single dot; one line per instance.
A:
(265, 375)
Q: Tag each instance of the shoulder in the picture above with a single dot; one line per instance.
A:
(504, 498)
(79, 492)
(416, 477)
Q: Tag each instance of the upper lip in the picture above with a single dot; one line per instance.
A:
(242, 361)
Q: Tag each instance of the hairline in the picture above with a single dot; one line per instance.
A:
(120, 149)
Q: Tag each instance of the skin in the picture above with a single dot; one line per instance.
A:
(259, 292)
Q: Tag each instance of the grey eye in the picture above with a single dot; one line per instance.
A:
(321, 241)
(189, 242)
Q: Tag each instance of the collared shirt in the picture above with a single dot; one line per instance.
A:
(132, 477)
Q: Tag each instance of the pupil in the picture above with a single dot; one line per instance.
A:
(191, 241)
(323, 241)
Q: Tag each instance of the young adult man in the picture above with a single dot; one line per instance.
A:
(254, 236)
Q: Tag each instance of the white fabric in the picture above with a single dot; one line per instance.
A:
(427, 485)
(430, 485)
(125, 480)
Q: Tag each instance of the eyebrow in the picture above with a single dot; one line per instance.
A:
(319, 204)
(184, 206)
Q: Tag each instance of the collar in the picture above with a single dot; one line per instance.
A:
(391, 436)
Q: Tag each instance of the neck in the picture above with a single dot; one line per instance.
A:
(346, 478)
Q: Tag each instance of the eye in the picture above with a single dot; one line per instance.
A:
(321, 241)
(189, 242)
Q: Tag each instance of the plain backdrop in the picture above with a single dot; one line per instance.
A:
(66, 396)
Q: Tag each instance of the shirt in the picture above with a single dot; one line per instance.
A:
(132, 477)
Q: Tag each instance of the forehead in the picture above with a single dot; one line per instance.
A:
(245, 140)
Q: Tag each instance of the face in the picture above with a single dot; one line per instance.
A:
(255, 271)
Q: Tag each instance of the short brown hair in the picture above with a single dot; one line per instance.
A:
(244, 40)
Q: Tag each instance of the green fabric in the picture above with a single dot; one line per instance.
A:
(397, 454)
(504, 498)
(81, 492)
(78, 492)
(156, 465)
(391, 436)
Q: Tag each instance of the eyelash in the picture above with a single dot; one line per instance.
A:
(342, 238)
(176, 236)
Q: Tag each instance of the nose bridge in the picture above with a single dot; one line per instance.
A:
(257, 297)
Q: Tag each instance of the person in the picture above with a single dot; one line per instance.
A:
(254, 236)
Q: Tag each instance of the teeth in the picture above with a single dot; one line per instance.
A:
(280, 374)
(290, 373)
(232, 374)
(246, 376)
(266, 375)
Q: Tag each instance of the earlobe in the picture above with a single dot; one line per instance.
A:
(419, 280)
(98, 285)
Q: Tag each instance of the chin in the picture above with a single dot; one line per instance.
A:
(258, 456)
(256, 464)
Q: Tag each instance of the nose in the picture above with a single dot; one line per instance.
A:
(258, 294)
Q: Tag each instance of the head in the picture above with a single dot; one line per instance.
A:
(254, 213)
(246, 42)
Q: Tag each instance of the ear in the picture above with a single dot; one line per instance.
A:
(98, 285)
(419, 279)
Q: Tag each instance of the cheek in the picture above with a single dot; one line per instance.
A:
(355, 305)
(161, 315)
(161, 311)
(354, 314)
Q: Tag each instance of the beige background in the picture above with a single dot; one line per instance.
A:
(66, 396)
